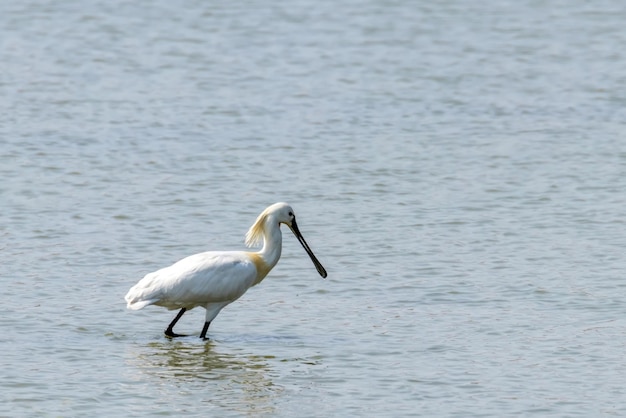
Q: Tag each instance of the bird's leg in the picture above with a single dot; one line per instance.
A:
(170, 328)
(204, 330)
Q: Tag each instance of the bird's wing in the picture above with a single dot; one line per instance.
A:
(196, 280)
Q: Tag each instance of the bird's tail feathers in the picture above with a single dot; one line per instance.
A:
(135, 306)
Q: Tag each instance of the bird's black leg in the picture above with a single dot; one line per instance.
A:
(204, 330)
(170, 328)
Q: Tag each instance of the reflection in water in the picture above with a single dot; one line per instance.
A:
(234, 381)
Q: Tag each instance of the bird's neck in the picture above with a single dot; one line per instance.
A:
(267, 258)
(272, 244)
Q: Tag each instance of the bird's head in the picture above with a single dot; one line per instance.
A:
(283, 214)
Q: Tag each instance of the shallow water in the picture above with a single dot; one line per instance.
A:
(459, 169)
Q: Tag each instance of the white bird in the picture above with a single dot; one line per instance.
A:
(215, 279)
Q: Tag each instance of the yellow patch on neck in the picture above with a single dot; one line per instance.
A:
(262, 268)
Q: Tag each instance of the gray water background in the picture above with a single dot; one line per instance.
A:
(458, 167)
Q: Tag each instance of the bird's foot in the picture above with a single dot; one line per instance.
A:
(204, 330)
(171, 334)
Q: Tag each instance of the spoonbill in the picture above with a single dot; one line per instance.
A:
(215, 279)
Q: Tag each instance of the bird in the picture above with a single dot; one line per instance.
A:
(214, 279)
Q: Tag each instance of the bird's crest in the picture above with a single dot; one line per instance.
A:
(254, 236)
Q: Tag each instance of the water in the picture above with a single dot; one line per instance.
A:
(459, 168)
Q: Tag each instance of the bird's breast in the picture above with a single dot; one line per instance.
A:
(262, 267)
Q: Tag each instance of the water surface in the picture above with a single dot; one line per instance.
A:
(458, 168)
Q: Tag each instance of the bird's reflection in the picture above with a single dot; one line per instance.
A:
(213, 373)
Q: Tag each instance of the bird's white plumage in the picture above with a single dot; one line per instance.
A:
(196, 280)
(216, 278)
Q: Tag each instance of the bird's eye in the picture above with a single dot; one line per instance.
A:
(290, 213)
